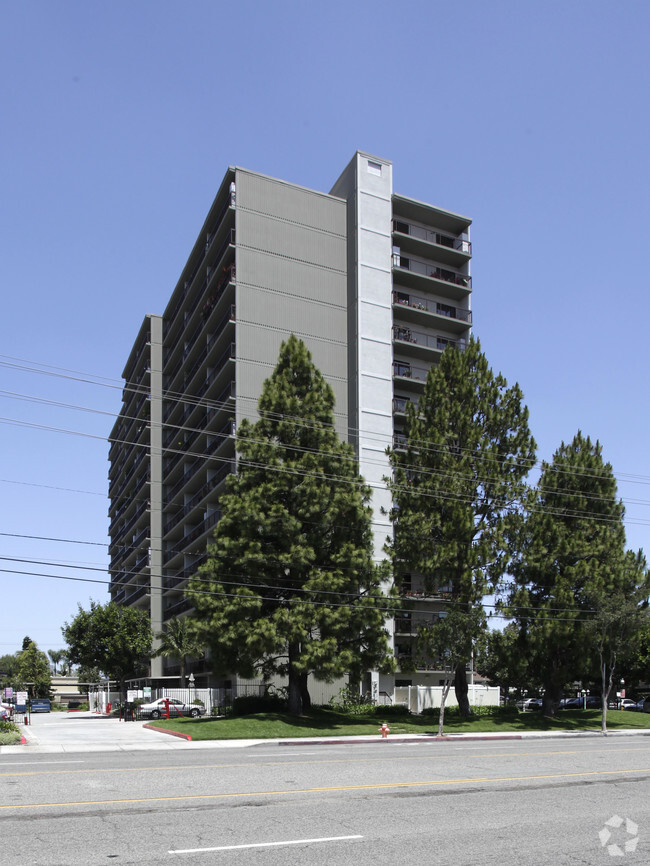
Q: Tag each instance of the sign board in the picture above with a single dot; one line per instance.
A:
(9, 693)
(146, 692)
(131, 695)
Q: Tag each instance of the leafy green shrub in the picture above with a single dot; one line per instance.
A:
(198, 702)
(391, 711)
(352, 703)
(9, 733)
(478, 711)
(248, 704)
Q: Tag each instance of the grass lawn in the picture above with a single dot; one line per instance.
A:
(329, 723)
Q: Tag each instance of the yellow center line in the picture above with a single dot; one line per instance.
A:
(329, 761)
(329, 789)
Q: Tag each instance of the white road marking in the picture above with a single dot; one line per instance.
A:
(264, 845)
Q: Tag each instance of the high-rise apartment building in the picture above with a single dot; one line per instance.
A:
(375, 283)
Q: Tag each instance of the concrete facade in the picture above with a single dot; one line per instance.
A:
(376, 284)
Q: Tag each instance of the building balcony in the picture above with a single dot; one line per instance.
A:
(410, 375)
(433, 244)
(416, 308)
(422, 343)
(175, 608)
(201, 461)
(137, 594)
(430, 277)
(220, 266)
(425, 594)
(410, 663)
(410, 627)
(400, 404)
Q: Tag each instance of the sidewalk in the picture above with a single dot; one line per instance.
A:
(102, 734)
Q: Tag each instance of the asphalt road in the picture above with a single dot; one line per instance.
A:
(505, 802)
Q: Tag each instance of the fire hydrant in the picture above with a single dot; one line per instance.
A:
(384, 731)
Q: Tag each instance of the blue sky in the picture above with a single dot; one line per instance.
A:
(119, 120)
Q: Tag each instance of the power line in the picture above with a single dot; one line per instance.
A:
(181, 397)
(188, 592)
(332, 478)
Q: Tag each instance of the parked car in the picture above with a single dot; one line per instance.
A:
(530, 704)
(6, 711)
(642, 706)
(626, 704)
(157, 710)
(592, 703)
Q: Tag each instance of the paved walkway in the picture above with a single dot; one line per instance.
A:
(86, 732)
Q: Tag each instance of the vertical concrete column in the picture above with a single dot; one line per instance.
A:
(155, 484)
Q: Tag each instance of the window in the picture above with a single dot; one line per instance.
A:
(374, 168)
(446, 310)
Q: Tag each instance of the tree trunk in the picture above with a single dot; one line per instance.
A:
(295, 692)
(304, 694)
(550, 700)
(606, 686)
(443, 701)
(461, 690)
(548, 705)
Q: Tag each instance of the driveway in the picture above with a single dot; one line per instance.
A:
(87, 732)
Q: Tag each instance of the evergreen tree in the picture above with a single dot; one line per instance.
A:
(34, 671)
(572, 556)
(290, 587)
(501, 659)
(457, 486)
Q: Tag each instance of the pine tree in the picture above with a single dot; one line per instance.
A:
(457, 486)
(572, 557)
(290, 587)
(34, 668)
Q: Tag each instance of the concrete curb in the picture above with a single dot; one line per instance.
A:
(165, 731)
(463, 738)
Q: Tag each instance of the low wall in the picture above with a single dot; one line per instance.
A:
(418, 698)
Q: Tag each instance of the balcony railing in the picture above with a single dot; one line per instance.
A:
(138, 593)
(460, 243)
(400, 404)
(425, 594)
(405, 299)
(427, 269)
(409, 371)
(406, 626)
(219, 475)
(169, 321)
(429, 341)
(199, 530)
